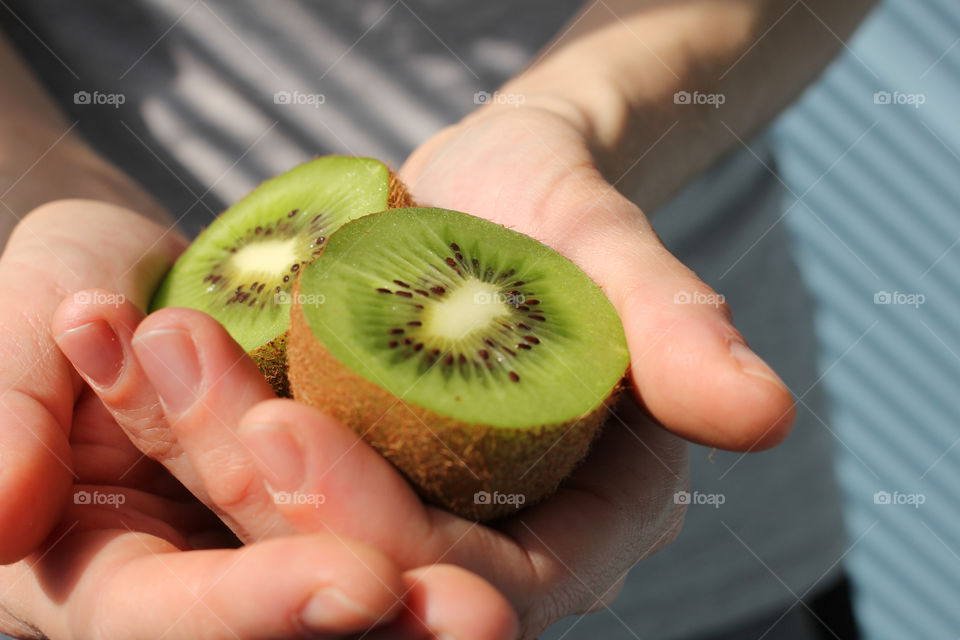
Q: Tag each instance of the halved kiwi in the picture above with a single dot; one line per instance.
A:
(242, 268)
(476, 359)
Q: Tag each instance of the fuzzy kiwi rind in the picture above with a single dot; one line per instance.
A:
(447, 458)
(360, 186)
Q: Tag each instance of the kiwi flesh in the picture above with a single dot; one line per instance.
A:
(477, 360)
(242, 268)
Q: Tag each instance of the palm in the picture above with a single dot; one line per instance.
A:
(516, 168)
(120, 490)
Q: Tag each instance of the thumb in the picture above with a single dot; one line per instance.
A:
(691, 368)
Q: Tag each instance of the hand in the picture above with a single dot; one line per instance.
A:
(273, 467)
(57, 249)
(114, 546)
(532, 170)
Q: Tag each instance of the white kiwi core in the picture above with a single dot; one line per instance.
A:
(470, 307)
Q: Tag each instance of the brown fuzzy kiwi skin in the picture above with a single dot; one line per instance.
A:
(271, 357)
(448, 461)
(398, 196)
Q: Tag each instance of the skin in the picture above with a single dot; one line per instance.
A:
(596, 105)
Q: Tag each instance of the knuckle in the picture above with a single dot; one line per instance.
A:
(234, 487)
(148, 430)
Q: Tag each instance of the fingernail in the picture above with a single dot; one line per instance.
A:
(95, 351)
(751, 364)
(331, 610)
(277, 454)
(169, 358)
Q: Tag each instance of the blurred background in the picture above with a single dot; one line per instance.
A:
(871, 156)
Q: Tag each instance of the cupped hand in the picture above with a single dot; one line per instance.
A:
(57, 249)
(112, 546)
(273, 467)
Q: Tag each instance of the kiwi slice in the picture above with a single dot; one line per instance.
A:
(242, 268)
(476, 359)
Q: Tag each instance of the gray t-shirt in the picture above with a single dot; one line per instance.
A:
(201, 124)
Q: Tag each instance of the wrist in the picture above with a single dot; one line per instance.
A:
(598, 115)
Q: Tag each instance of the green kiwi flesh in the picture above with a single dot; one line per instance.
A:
(241, 269)
(472, 356)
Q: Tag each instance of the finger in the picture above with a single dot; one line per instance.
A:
(205, 383)
(37, 386)
(35, 473)
(323, 475)
(104, 584)
(691, 367)
(443, 601)
(94, 329)
(103, 453)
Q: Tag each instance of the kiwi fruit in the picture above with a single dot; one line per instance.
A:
(242, 268)
(479, 361)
